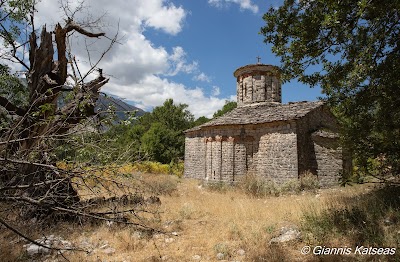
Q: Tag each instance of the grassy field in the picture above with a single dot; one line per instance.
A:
(202, 223)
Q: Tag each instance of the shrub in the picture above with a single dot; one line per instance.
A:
(159, 168)
(308, 181)
(372, 219)
(176, 169)
(218, 186)
(256, 186)
(291, 186)
(187, 211)
(224, 249)
(162, 184)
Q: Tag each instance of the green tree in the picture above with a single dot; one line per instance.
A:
(14, 17)
(352, 50)
(11, 89)
(163, 144)
(229, 106)
(174, 117)
(161, 131)
(201, 120)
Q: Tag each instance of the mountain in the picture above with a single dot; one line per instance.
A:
(103, 103)
(122, 109)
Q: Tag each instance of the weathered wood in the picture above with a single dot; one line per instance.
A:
(43, 118)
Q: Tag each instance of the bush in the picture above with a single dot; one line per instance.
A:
(218, 186)
(256, 186)
(370, 220)
(176, 169)
(158, 168)
(291, 186)
(309, 181)
(161, 184)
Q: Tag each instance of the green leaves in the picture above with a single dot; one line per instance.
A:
(163, 144)
(163, 140)
(13, 15)
(12, 88)
(229, 106)
(352, 50)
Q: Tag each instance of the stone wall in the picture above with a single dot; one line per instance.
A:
(319, 156)
(262, 87)
(195, 157)
(278, 151)
(227, 165)
(328, 159)
(258, 83)
(226, 154)
(277, 156)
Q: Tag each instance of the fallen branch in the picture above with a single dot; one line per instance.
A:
(37, 243)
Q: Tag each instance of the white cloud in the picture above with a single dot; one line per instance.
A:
(139, 69)
(8, 60)
(202, 77)
(244, 4)
(159, 16)
(216, 91)
(153, 91)
(179, 63)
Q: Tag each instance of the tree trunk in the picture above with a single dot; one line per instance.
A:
(22, 152)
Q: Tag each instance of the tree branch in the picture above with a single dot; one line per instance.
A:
(54, 168)
(19, 187)
(34, 241)
(71, 25)
(9, 40)
(10, 107)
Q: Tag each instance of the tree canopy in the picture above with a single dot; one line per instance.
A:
(352, 50)
(163, 140)
(229, 106)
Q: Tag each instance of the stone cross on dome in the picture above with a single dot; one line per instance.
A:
(258, 59)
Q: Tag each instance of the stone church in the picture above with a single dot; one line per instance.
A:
(279, 142)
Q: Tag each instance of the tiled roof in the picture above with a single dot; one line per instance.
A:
(262, 113)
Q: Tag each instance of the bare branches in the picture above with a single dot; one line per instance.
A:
(55, 197)
(29, 163)
(31, 179)
(93, 66)
(21, 187)
(61, 35)
(71, 12)
(71, 25)
(10, 107)
(9, 40)
(13, 229)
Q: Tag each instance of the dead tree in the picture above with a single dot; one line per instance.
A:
(28, 176)
(31, 183)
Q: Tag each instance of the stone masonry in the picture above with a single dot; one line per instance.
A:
(279, 142)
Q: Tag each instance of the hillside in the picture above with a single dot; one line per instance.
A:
(121, 107)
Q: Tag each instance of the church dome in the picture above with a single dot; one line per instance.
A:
(258, 83)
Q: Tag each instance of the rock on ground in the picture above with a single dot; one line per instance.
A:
(287, 234)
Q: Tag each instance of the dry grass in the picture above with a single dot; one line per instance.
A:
(201, 222)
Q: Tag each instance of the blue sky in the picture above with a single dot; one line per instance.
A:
(224, 37)
(181, 49)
